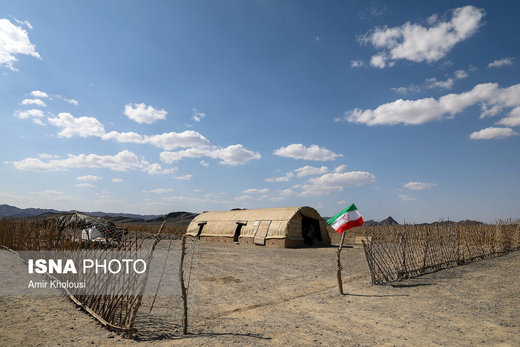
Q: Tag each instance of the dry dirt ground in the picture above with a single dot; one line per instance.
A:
(260, 296)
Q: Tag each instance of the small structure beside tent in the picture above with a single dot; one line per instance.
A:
(285, 227)
(92, 228)
(91, 234)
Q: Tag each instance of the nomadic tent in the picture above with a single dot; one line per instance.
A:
(276, 227)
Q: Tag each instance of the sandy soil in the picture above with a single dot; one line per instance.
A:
(261, 296)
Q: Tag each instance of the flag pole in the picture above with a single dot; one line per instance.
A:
(338, 260)
(341, 222)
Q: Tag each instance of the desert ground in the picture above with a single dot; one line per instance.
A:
(264, 296)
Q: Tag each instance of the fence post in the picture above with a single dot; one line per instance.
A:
(459, 261)
(338, 264)
(404, 272)
(426, 244)
(183, 288)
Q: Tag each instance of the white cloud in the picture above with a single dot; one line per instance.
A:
(283, 195)
(434, 83)
(38, 121)
(244, 198)
(24, 22)
(335, 181)
(159, 191)
(173, 140)
(48, 156)
(492, 133)
(170, 157)
(310, 171)
(340, 168)
(378, 61)
(405, 197)
(203, 163)
(88, 178)
(448, 83)
(232, 155)
(490, 111)
(419, 185)
(184, 178)
(356, 63)
(29, 113)
(400, 111)
(39, 94)
(301, 172)
(36, 102)
(141, 113)
(90, 126)
(14, 40)
(84, 185)
(117, 180)
(197, 116)
(418, 43)
(256, 191)
(501, 62)
(81, 126)
(71, 101)
(285, 178)
(156, 169)
(122, 161)
(429, 109)
(513, 119)
(461, 74)
(412, 88)
(197, 145)
(125, 137)
(299, 151)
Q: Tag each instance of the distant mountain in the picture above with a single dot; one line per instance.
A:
(388, 221)
(373, 223)
(124, 215)
(15, 212)
(173, 218)
(12, 211)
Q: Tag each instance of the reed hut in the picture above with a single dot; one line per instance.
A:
(285, 227)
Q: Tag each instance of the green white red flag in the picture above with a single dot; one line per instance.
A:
(346, 219)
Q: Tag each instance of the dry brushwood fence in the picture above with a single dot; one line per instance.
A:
(398, 252)
(113, 302)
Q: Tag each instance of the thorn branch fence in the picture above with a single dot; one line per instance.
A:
(117, 308)
(406, 251)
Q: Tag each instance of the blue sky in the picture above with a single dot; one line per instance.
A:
(409, 109)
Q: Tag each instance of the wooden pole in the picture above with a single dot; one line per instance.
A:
(338, 260)
(183, 288)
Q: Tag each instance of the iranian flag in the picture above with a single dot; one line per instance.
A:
(346, 219)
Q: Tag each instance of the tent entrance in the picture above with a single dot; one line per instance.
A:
(201, 226)
(310, 231)
(238, 230)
